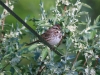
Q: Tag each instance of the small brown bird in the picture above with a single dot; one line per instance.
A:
(53, 35)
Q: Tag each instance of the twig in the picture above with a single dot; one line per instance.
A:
(41, 68)
(83, 66)
(5, 66)
(3, 20)
(65, 7)
(76, 57)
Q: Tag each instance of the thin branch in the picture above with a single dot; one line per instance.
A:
(65, 7)
(5, 66)
(41, 68)
(2, 22)
(76, 57)
(28, 27)
(83, 66)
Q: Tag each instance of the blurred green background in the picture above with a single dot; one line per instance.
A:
(24, 8)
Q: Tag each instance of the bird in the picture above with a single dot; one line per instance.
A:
(53, 35)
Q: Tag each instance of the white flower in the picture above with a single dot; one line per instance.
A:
(81, 45)
(86, 54)
(90, 71)
(17, 33)
(78, 3)
(73, 11)
(87, 71)
(4, 39)
(72, 28)
(58, 1)
(59, 15)
(11, 34)
(11, 7)
(20, 32)
(66, 2)
(5, 12)
(96, 56)
(23, 28)
(86, 30)
(91, 52)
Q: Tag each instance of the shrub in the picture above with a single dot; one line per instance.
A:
(79, 47)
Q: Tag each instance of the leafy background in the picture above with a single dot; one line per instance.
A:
(31, 8)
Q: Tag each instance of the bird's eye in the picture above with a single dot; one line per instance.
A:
(55, 28)
(57, 32)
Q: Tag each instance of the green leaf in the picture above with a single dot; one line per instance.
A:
(86, 5)
(26, 18)
(76, 64)
(82, 23)
(6, 56)
(12, 70)
(68, 42)
(32, 47)
(79, 68)
(93, 27)
(92, 34)
(17, 70)
(26, 57)
(98, 23)
(82, 13)
(97, 20)
(44, 53)
(1, 65)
